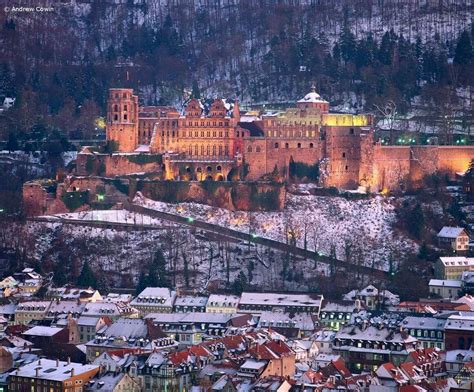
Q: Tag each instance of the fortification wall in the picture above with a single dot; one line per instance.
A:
(262, 155)
(391, 167)
(453, 159)
(117, 164)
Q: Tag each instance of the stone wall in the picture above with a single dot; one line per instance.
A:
(263, 154)
(246, 196)
(117, 164)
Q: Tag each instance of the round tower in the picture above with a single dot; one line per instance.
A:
(122, 118)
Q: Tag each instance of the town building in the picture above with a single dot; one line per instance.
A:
(364, 347)
(189, 303)
(373, 298)
(454, 238)
(334, 315)
(448, 289)
(459, 331)
(51, 375)
(154, 300)
(256, 303)
(428, 330)
(25, 312)
(219, 303)
(452, 268)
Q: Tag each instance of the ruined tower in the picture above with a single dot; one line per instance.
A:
(122, 118)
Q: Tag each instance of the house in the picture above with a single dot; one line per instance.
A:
(190, 328)
(89, 326)
(7, 311)
(222, 303)
(467, 280)
(303, 323)
(459, 331)
(154, 300)
(428, 330)
(443, 288)
(452, 268)
(74, 293)
(365, 347)
(271, 384)
(25, 312)
(454, 238)
(429, 360)
(51, 375)
(372, 297)
(465, 377)
(127, 333)
(336, 314)
(114, 382)
(323, 339)
(112, 310)
(8, 282)
(455, 360)
(288, 303)
(189, 303)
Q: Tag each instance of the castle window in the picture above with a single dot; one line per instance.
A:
(115, 117)
(220, 150)
(226, 150)
(209, 169)
(287, 145)
(208, 150)
(347, 167)
(172, 134)
(214, 134)
(116, 96)
(276, 145)
(214, 150)
(188, 169)
(196, 134)
(237, 133)
(190, 150)
(202, 150)
(219, 168)
(208, 134)
(258, 149)
(220, 134)
(343, 154)
(125, 107)
(351, 131)
(124, 95)
(196, 150)
(311, 145)
(125, 117)
(220, 123)
(249, 149)
(115, 108)
(226, 133)
(299, 145)
(199, 170)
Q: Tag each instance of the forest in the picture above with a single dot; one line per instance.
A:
(360, 54)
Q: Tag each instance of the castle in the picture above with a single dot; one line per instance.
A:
(210, 143)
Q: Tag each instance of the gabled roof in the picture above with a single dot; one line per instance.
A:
(451, 232)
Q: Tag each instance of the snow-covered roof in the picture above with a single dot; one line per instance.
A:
(48, 369)
(373, 333)
(457, 261)
(430, 323)
(191, 301)
(302, 321)
(86, 321)
(462, 321)
(445, 283)
(277, 299)
(252, 364)
(155, 296)
(143, 148)
(312, 96)
(40, 330)
(191, 317)
(106, 382)
(128, 328)
(66, 307)
(217, 300)
(450, 232)
(33, 306)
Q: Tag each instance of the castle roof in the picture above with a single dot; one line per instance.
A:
(312, 96)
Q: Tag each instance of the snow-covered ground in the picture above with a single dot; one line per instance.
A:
(356, 230)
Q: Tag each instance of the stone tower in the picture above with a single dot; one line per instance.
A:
(122, 118)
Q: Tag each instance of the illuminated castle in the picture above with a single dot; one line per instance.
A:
(213, 143)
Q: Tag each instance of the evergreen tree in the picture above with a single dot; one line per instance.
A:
(142, 283)
(158, 274)
(347, 44)
(12, 143)
(240, 283)
(87, 277)
(463, 53)
(416, 221)
(196, 93)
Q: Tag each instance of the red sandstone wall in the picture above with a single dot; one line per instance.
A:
(263, 161)
(454, 159)
(391, 166)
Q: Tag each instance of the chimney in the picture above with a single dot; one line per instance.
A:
(57, 362)
(68, 360)
(37, 371)
(236, 111)
(72, 372)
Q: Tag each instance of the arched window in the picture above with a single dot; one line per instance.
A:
(258, 149)
(209, 169)
(196, 150)
(219, 168)
(299, 145)
(311, 145)
(214, 150)
(276, 145)
(208, 150)
(287, 145)
(249, 149)
(125, 107)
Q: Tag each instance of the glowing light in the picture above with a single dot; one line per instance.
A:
(190, 220)
(100, 197)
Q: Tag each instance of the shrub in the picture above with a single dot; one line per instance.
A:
(75, 199)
